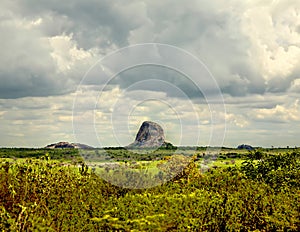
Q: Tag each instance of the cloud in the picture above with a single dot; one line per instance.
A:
(32, 65)
(280, 113)
(275, 48)
(93, 23)
(251, 48)
(155, 78)
(295, 87)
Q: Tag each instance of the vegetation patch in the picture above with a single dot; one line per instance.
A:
(260, 194)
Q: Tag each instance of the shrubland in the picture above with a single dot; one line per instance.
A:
(260, 195)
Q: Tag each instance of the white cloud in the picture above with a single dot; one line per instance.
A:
(280, 113)
(275, 49)
(295, 86)
(66, 54)
(237, 120)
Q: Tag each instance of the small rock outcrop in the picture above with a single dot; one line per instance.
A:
(245, 146)
(68, 145)
(149, 135)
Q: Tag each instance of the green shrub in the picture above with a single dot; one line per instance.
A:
(43, 195)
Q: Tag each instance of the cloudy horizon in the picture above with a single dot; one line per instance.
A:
(56, 72)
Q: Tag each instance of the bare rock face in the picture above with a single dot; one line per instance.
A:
(150, 134)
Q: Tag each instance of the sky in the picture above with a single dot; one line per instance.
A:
(210, 72)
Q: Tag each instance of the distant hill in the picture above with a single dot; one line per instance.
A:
(68, 145)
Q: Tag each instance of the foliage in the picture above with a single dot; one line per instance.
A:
(65, 153)
(179, 167)
(44, 195)
(279, 171)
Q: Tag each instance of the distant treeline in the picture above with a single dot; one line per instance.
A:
(123, 154)
(37, 153)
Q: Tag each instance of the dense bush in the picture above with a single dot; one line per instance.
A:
(43, 195)
(279, 171)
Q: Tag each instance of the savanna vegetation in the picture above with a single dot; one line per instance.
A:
(55, 190)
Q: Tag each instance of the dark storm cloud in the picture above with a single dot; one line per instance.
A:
(215, 36)
(93, 22)
(210, 30)
(26, 67)
(173, 78)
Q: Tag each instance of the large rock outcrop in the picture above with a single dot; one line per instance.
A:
(150, 135)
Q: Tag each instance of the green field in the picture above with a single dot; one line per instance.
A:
(230, 190)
